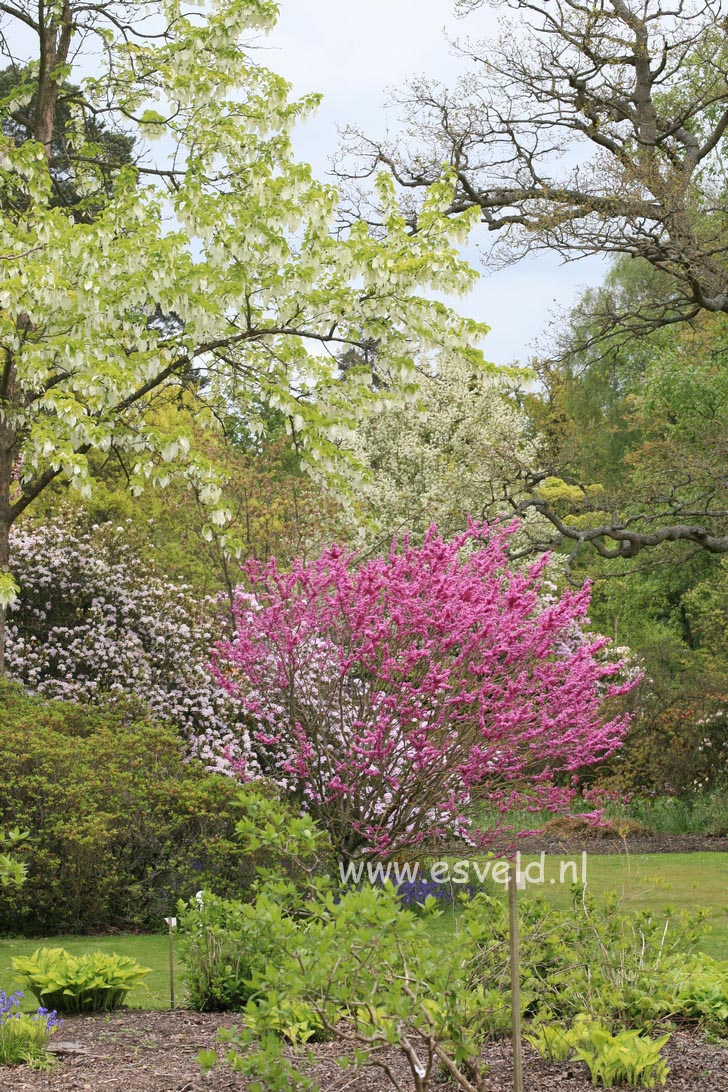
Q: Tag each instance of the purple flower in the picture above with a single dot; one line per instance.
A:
(10, 1010)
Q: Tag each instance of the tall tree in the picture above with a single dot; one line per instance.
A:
(588, 129)
(447, 455)
(636, 437)
(114, 148)
(211, 266)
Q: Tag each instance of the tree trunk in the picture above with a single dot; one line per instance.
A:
(5, 477)
(7, 465)
(55, 40)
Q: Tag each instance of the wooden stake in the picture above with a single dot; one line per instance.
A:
(171, 922)
(515, 979)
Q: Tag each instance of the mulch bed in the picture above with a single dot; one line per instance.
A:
(156, 1052)
(599, 841)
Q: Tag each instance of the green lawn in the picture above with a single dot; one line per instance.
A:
(686, 881)
(150, 950)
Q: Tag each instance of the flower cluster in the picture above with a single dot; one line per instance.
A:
(414, 892)
(444, 453)
(92, 624)
(393, 696)
(10, 1003)
(25, 1037)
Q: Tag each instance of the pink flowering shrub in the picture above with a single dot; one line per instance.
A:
(392, 697)
(93, 625)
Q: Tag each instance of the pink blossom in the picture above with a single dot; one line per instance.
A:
(395, 696)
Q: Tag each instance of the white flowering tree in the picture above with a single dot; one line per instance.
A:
(453, 452)
(210, 265)
(93, 624)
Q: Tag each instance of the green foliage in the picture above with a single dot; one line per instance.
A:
(217, 946)
(275, 508)
(96, 982)
(553, 1041)
(699, 813)
(24, 1041)
(259, 1058)
(315, 962)
(24, 1037)
(12, 871)
(290, 1019)
(645, 417)
(122, 827)
(361, 967)
(220, 279)
(223, 941)
(375, 975)
(590, 957)
(294, 867)
(702, 993)
(370, 973)
(19, 93)
(627, 1058)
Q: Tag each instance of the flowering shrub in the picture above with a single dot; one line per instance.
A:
(393, 697)
(93, 625)
(24, 1037)
(443, 454)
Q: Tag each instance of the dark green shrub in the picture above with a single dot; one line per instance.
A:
(120, 826)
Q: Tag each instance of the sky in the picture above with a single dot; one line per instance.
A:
(353, 53)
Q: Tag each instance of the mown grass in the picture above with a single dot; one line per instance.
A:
(683, 881)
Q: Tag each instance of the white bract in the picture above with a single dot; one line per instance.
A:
(214, 267)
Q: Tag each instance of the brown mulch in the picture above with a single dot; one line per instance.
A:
(598, 841)
(156, 1052)
(134, 1051)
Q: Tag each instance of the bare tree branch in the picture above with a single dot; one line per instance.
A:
(585, 130)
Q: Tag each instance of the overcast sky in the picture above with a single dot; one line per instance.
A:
(352, 52)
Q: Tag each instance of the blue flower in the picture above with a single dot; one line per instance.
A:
(10, 1010)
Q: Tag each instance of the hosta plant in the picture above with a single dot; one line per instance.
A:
(625, 1058)
(93, 982)
(702, 992)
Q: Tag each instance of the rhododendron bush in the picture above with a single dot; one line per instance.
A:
(393, 697)
(93, 625)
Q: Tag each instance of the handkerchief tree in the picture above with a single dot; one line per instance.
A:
(396, 697)
(211, 265)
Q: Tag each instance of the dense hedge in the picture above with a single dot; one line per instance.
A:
(120, 826)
